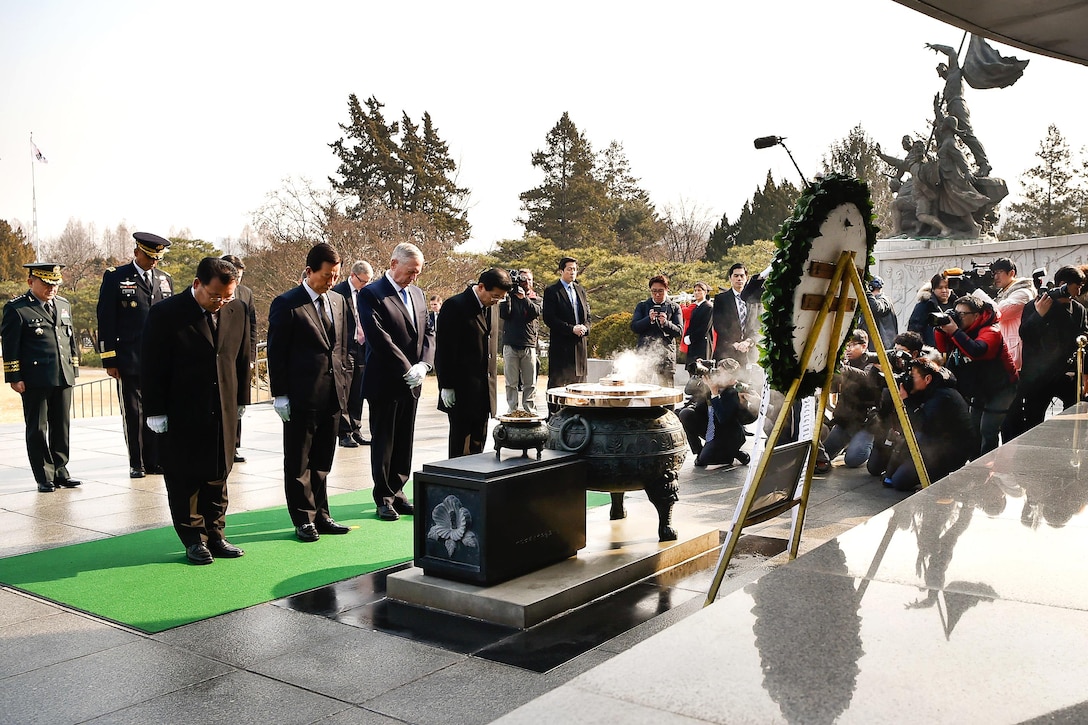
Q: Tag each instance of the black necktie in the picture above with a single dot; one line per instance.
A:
(324, 317)
(51, 310)
(213, 324)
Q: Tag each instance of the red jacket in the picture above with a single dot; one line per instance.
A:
(981, 342)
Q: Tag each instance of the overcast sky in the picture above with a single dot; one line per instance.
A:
(174, 116)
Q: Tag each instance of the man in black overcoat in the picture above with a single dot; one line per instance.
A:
(195, 372)
(465, 360)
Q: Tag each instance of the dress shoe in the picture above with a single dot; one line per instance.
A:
(743, 458)
(199, 554)
(387, 513)
(358, 438)
(154, 470)
(45, 488)
(404, 508)
(136, 473)
(348, 442)
(223, 549)
(239, 458)
(67, 483)
(328, 526)
(307, 533)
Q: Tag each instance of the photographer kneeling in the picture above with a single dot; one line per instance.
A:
(718, 418)
(977, 356)
(941, 423)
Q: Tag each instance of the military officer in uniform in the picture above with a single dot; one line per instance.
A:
(41, 362)
(124, 300)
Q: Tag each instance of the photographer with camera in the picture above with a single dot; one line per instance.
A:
(1049, 330)
(935, 296)
(887, 323)
(977, 356)
(717, 413)
(882, 421)
(520, 312)
(659, 324)
(858, 393)
(1013, 293)
(941, 423)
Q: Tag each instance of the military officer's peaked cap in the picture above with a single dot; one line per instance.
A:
(45, 271)
(153, 245)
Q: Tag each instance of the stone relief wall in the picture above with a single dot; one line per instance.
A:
(907, 264)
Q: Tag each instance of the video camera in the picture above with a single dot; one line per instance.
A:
(520, 286)
(980, 275)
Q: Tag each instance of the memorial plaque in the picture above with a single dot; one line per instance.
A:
(483, 519)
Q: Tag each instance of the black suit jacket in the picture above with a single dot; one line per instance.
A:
(313, 371)
(354, 348)
(464, 360)
(728, 328)
(393, 343)
(124, 299)
(700, 332)
(198, 381)
(568, 354)
(244, 295)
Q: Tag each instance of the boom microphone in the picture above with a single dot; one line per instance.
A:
(765, 142)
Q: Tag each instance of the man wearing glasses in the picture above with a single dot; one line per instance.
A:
(196, 363)
(351, 427)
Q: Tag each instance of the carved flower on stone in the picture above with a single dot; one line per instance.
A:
(451, 525)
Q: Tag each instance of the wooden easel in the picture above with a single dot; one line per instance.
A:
(843, 275)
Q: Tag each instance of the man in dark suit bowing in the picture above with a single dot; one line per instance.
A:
(735, 321)
(195, 372)
(351, 418)
(465, 360)
(309, 372)
(566, 313)
(400, 352)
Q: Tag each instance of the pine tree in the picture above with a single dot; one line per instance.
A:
(635, 220)
(571, 207)
(15, 251)
(392, 166)
(760, 218)
(1051, 198)
(855, 155)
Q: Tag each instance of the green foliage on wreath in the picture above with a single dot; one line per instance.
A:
(794, 242)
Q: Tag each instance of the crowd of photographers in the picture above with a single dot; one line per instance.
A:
(985, 354)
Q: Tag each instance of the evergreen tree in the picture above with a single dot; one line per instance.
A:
(636, 222)
(571, 207)
(15, 251)
(392, 166)
(855, 155)
(1051, 200)
(722, 237)
(760, 218)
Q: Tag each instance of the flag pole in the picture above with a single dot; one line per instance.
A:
(34, 202)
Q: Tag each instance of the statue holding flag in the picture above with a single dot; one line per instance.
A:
(943, 197)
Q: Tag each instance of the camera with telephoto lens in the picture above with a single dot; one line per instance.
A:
(940, 319)
(1057, 293)
(900, 359)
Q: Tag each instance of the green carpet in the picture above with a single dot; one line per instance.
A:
(143, 580)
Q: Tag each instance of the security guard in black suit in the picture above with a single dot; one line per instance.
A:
(124, 300)
(41, 363)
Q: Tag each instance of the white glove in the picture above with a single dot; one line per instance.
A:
(157, 423)
(415, 375)
(449, 398)
(687, 340)
(282, 407)
(241, 411)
